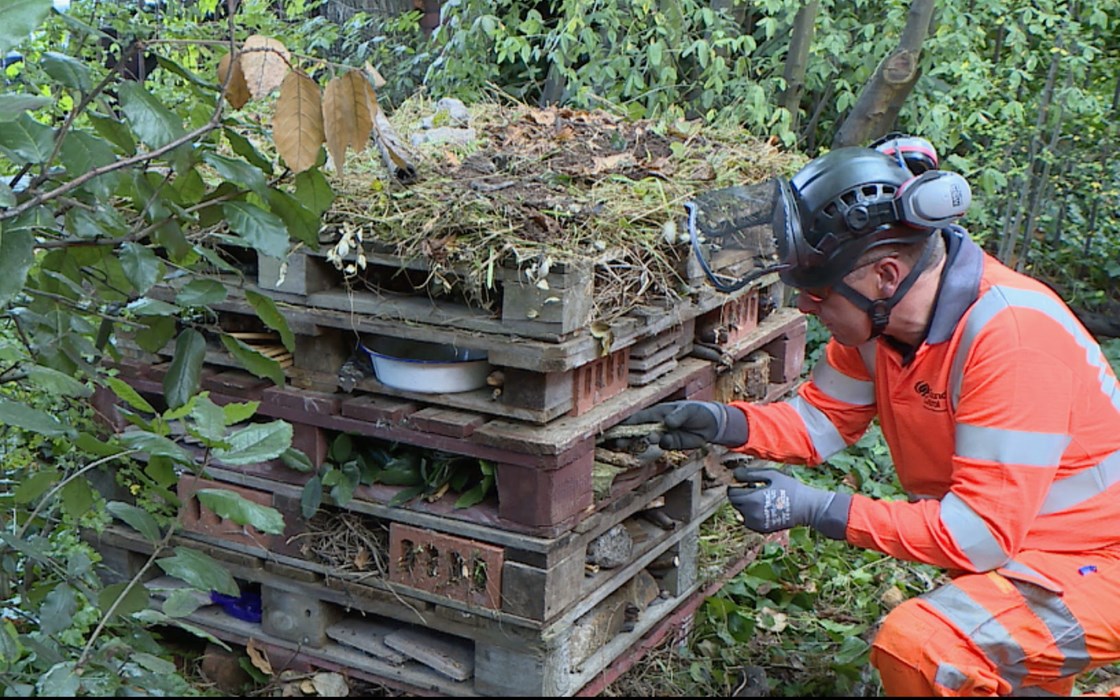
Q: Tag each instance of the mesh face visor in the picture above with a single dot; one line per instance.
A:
(739, 233)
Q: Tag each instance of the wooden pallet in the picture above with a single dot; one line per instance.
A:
(460, 650)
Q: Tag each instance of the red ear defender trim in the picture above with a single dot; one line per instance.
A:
(913, 152)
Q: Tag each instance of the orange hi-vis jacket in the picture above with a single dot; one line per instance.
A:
(1004, 426)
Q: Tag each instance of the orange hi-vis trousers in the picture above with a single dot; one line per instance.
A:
(987, 635)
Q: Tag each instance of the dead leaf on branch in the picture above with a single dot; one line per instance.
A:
(297, 127)
(237, 91)
(347, 120)
(265, 63)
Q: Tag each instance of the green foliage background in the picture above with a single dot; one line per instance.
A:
(106, 184)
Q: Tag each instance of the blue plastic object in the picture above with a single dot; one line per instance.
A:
(245, 607)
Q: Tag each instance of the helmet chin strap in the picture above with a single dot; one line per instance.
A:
(879, 310)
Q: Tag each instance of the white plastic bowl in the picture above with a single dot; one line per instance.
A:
(428, 368)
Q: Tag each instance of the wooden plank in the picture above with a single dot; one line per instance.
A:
(451, 656)
(367, 635)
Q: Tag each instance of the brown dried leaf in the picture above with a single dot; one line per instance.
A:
(346, 115)
(395, 155)
(297, 126)
(265, 62)
(237, 92)
(374, 76)
(259, 657)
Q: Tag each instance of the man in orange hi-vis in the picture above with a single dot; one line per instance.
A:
(1000, 410)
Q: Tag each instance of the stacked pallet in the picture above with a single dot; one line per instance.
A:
(554, 575)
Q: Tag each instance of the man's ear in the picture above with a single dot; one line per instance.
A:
(889, 273)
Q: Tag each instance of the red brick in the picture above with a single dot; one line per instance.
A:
(197, 518)
(545, 497)
(446, 565)
(599, 380)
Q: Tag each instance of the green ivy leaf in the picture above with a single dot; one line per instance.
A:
(199, 571)
(136, 518)
(185, 374)
(235, 507)
(257, 443)
(267, 312)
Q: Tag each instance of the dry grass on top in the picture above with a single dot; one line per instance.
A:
(540, 187)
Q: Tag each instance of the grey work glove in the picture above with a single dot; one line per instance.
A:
(771, 501)
(691, 424)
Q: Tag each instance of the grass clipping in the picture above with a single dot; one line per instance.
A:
(535, 189)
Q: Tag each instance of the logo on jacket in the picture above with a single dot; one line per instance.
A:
(931, 400)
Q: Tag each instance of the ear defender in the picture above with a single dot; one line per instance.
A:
(912, 152)
(934, 199)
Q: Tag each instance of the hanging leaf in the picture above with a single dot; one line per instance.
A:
(154, 123)
(200, 571)
(27, 141)
(297, 126)
(264, 63)
(237, 92)
(135, 600)
(311, 497)
(137, 518)
(12, 106)
(125, 392)
(313, 191)
(257, 443)
(201, 292)
(155, 446)
(185, 374)
(267, 312)
(141, 266)
(253, 361)
(261, 229)
(16, 247)
(303, 224)
(20, 19)
(67, 71)
(347, 120)
(235, 507)
(18, 415)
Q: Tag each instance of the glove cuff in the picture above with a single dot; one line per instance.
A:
(733, 427)
(833, 520)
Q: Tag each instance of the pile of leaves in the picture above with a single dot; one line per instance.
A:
(535, 188)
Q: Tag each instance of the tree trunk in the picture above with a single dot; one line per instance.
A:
(800, 41)
(877, 108)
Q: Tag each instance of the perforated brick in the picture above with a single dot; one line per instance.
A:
(599, 380)
(455, 567)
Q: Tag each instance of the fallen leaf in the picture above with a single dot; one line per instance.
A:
(258, 657)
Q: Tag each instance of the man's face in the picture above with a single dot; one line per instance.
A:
(848, 324)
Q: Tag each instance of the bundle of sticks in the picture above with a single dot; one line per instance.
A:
(267, 344)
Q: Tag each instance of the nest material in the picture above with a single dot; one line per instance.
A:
(349, 544)
(540, 187)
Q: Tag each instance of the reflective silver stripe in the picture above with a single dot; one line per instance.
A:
(999, 298)
(985, 631)
(1073, 490)
(1016, 447)
(825, 437)
(1068, 634)
(867, 352)
(949, 676)
(841, 387)
(971, 534)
